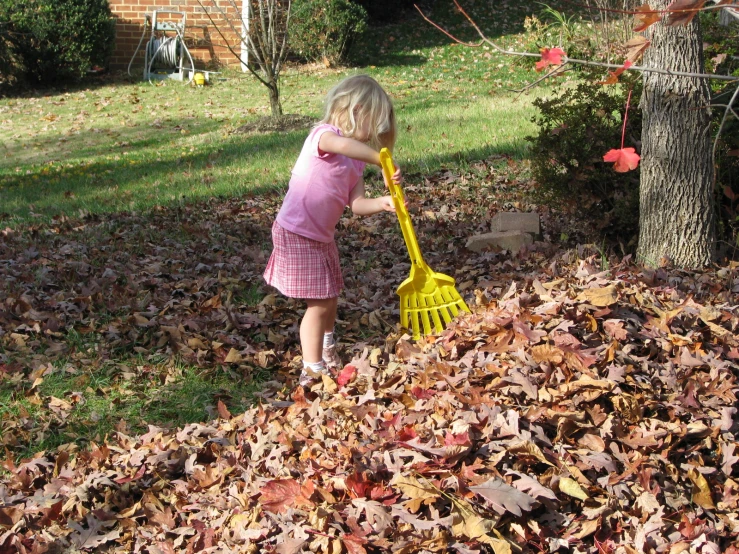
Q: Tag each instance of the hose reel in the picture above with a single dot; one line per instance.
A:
(165, 55)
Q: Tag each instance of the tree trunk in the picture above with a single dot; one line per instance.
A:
(274, 99)
(676, 212)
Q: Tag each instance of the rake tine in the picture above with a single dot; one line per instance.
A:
(447, 294)
(445, 314)
(414, 326)
(434, 312)
(426, 322)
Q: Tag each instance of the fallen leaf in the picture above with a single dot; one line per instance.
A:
(572, 488)
(503, 497)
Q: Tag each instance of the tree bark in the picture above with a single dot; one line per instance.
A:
(274, 99)
(676, 212)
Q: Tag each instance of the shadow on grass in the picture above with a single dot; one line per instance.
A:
(98, 189)
(127, 139)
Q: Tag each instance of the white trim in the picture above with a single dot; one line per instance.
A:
(244, 34)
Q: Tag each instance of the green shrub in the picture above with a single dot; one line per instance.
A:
(324, 30)
(576, 128)
(8, 65)
(721, 54)
(58, 40)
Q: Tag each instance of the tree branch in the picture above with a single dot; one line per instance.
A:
(485, 40)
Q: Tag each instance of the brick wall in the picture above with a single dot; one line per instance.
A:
(205, 44)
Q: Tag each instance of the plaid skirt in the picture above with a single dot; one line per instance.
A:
(300, 267)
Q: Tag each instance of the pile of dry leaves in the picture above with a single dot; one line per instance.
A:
(577, 409)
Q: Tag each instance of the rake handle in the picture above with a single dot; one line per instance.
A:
(406, 225)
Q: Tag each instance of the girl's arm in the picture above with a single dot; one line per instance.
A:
(361, 205)
(333, 143)
(351, 148)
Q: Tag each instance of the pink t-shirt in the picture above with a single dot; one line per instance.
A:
(319, 189)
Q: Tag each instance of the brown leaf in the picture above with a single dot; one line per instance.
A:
(290, 546)
(701, 490)
(503, 497)
(9, 516)
(615, 328)
(281, 494)
(646, 17)
(94, 535)
(223, 411)
(600, 297)
(233, 357)
(682, 12)
(417, 491)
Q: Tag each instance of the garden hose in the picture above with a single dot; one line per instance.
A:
(165, 51)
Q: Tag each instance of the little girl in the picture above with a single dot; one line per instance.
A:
(358, 121)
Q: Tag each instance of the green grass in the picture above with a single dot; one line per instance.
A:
(131, 146)
(119, 396)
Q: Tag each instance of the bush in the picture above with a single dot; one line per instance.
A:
(576, 128)
(58, 40)
(8, 65)
(322, 30)
(721, 54)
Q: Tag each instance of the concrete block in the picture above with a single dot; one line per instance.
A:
(527, 222)
(505, 240)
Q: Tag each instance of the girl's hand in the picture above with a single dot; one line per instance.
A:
(386, 203)
(397, 176)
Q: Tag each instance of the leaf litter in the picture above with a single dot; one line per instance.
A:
(579, 407)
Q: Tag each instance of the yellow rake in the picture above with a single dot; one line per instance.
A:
(427, 298)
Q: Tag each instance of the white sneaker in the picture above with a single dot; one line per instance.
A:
(308, 375)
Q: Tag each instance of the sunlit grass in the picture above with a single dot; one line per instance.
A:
(132, 146)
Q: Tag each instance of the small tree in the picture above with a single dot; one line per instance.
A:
(263, 31)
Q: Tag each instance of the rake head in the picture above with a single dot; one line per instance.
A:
(428, 302)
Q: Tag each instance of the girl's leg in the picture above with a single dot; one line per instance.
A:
(319, 317)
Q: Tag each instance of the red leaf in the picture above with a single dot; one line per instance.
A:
(354, 544)
(422, 394)
(613, 75)
(463, 439)
(626, 159)
(682, 12)
(647, 16)
(346, 375)
(729, 193)
(407, 433)
(550, 56)
(357, 485)
(280, 494)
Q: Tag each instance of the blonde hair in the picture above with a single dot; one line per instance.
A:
(357, 99)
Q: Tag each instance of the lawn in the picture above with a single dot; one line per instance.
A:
(103, 182)
(115, 145)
